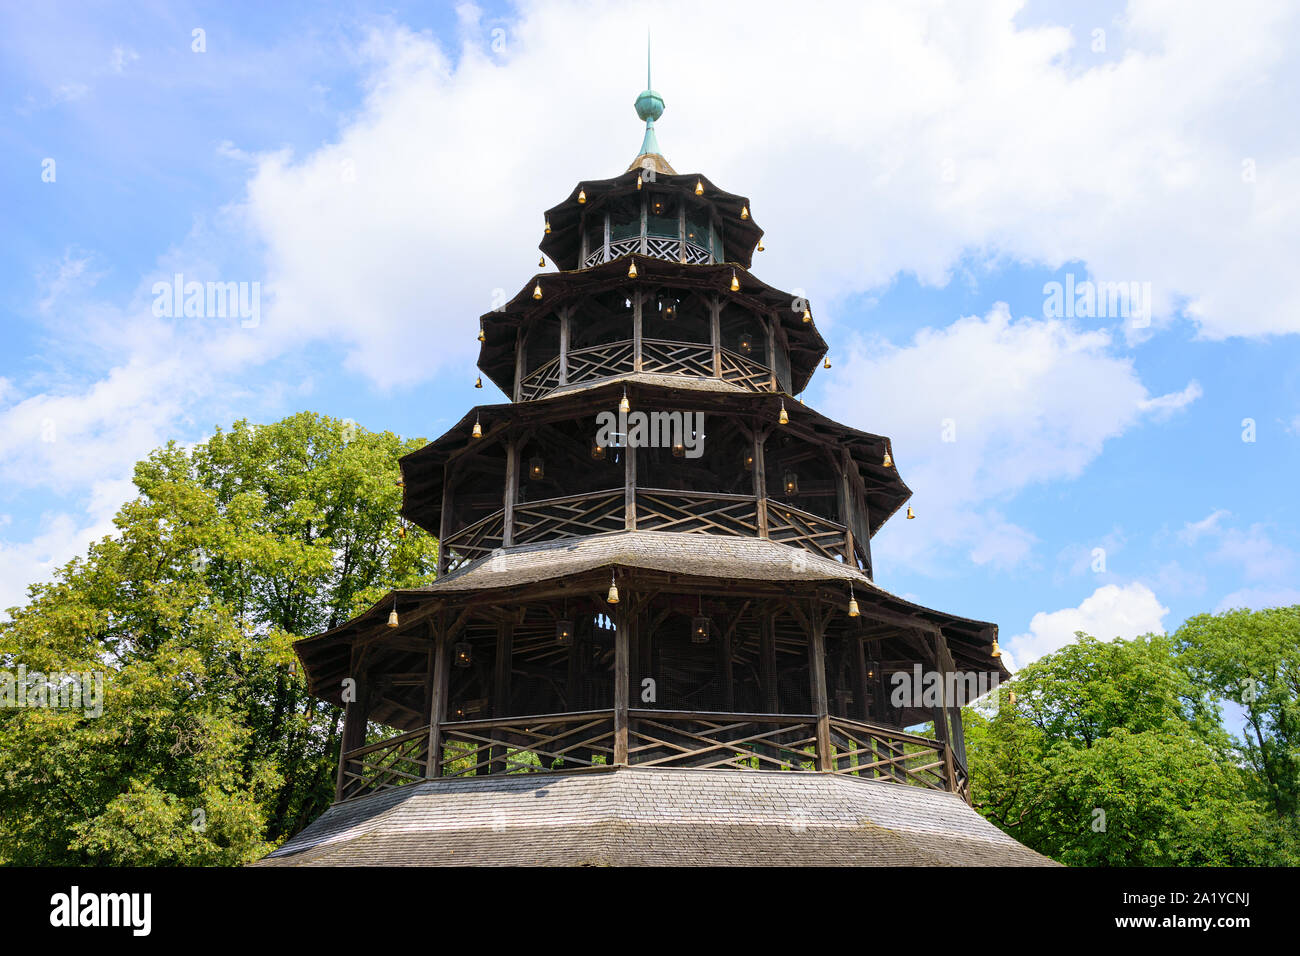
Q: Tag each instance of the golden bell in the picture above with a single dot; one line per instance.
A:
(888, 460)
(853, 607)
(784, 419)
(392, 618)
(401, 531)
(735, 283)
(537, 291)
(827, 363)
(481, 336)
(478, 429)
(478, 382)
(994, 651)
(624, 405)
(401, 482)
(807, 314)
(760, 245)
(631, 271)
(541, 262)
(744, 212)
(548, 227)
(910, 513)
(638, 180)
(582, 195)
(1011, 697)
(699, 187)
(612, 596)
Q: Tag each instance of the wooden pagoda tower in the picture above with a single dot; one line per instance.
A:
(632, 623)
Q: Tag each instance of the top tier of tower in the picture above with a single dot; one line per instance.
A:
(654, 281)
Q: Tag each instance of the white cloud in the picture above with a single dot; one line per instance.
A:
(1109, 612)
(120, 57)
(1257, 599)
(1164, 406)
(1023, 402)
(1193, 530)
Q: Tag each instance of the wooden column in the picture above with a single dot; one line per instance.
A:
(715, 335)
(512, 493)
(724, 665)
(354, 728)
(629, 488)
(564, 345)
(623, 624)
(444, 518)
(846, 508)
(760, 480)
(501, 689)
(637, 326)
(817, 684)
(520, 338)
(769, 326)
(438, 708)
(767, 661)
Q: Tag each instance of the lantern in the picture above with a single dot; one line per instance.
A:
(564, 633)
(462, 654)
(597, 451)
(699, 629)
(791, 482)
(536, 468)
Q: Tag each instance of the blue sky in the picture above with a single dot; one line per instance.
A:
(922, 174)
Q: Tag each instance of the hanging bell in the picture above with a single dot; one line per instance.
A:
(624, 405)
(910, 513)
(481, 336)
(735, 283)
(827, 363)
(760, 245)
(548, 227)
(784, 419)
(699, 187)
(537, 291)
(631, 270)
(392, 618)
(478, 382)
(888, 460)
(853, 605)
(807, 314)
(744, 212)
(1011, 697)
(400, 482)
(582, 195)
(401, 531)
(994, 651)
(612, 596)
(638, 180)
(541, 262)
(478, 429)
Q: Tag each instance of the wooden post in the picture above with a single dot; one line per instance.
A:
(629, 488)
(564, 345)
(444, 519)
(760, 480)
(605, 257)
(724, 666)
(501, 689)
(623, 624)
(637, 326)
(767, 661)
(520, 338)
(715, 334)
(512, 493)
(354, 728)
(817, 684)
(769, 326)
(438, 707)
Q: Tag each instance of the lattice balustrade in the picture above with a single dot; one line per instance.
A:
(475, 541)
(387, 764)
(864, 750)
(569, 517)
(798, 528)
(527, 744)
(739, 741)
(696, 512)
(744, 371)
(696, 255)
(663, 248)
(540, 381)
(676, 358)
(624, 247)
(600, 361)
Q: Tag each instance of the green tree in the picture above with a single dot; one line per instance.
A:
(209, 749)
(1112, 754)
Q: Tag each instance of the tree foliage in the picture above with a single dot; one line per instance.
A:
(208, 750)
(1114, 754)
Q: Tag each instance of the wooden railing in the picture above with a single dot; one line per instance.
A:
(541, 380)
(569, 517)
(474, 541)
(601, 361)
(744, 371)
(676, 358)
(794, 526)
(655, 738)
(698, 512)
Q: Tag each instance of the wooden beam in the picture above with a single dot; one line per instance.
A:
(817, 685)
(624, 621)
(441, 654)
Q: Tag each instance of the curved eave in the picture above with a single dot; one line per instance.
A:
(500, 327)
(586, 563)
(422, 470)
(561, 244)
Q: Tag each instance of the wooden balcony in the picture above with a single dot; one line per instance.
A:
(654, 738)
(657, 356)
(604, 512)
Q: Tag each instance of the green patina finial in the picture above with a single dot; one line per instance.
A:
(649, 106)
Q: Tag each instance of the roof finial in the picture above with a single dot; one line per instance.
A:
(649, 106)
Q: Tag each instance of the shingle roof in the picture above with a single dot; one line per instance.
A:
(655, 817)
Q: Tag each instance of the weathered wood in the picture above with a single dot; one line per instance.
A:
(817, 686)
(623, 624)
(441, 667)
(767, 660)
